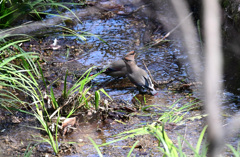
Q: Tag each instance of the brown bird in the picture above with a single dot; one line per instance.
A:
(138, 76)
(116, 69)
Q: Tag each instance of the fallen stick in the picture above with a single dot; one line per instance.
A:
(150, 75)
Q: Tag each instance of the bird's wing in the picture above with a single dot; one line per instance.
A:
(148, 82)
(111, 69)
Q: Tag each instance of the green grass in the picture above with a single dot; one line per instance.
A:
(201, 148)
(235, 151)
(166, 146)
(99, 152)
(20, 71)
(24, 78)
(13, 10)
(29, 150)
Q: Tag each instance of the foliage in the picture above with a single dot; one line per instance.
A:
(13, 10)
(100, 154)
(166, 146)
(29, 150)
(20, 72)
(24, 78)
(196, 151)
(96, 147)
(236, 151)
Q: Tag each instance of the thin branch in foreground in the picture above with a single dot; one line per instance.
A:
(213, 75)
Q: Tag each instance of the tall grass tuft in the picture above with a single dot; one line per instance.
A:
(165, 144)
(13, 10)
(24, 78)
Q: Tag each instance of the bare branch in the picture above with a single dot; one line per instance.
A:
(213, 75)
(190, 36)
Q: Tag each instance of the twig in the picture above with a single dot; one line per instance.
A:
(160, 40)
(157, 83)
(71, 99)
(150, 75)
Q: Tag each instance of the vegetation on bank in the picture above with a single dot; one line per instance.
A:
(16, 12)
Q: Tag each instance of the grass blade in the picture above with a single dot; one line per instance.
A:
(131, 150)
(235, 152)
(96, 147)
(97, 99)
(200, 139)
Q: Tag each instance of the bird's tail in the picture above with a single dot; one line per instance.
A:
(153, 92)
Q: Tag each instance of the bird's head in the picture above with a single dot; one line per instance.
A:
(130, 56)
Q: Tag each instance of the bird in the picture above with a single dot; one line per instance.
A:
(137, 75)
(116, 69)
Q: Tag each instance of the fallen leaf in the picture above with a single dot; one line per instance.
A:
(69, 122)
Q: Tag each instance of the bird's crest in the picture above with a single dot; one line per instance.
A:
(130, 56)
